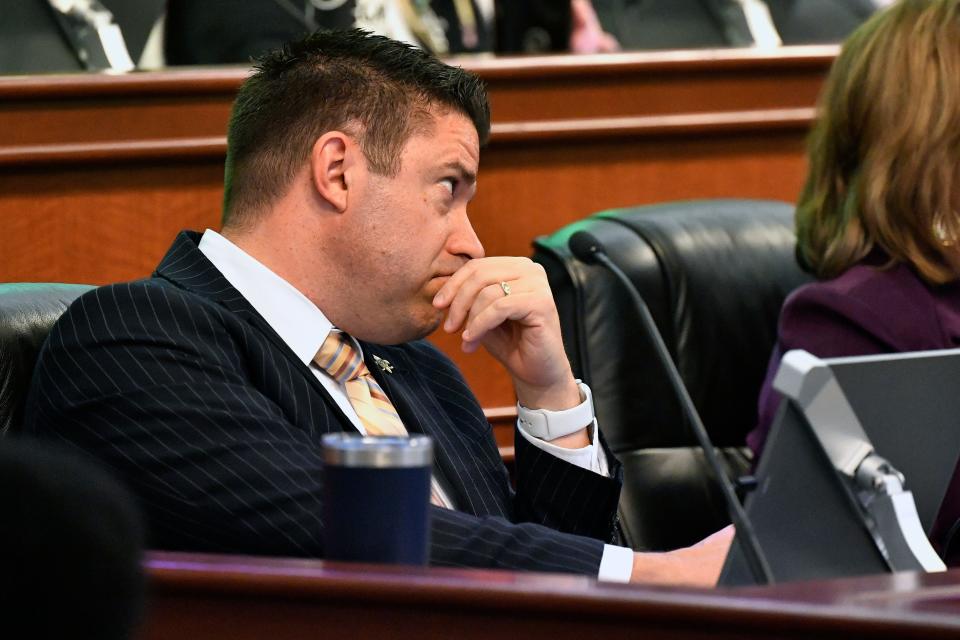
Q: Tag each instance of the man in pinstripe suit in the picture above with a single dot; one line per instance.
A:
(351, 162)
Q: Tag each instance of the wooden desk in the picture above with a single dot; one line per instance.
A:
(98, 172)
(235, 598)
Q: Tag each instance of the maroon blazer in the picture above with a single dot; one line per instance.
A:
(866, 310)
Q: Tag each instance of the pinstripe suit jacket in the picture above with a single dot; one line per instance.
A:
(181, 387)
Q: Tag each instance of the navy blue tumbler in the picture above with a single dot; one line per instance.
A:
(376, 498)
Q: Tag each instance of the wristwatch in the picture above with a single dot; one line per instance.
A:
(550, 425)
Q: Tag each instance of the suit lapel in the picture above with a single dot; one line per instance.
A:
(730, 19)
(780, 11)
(185, 266)
(404, 385)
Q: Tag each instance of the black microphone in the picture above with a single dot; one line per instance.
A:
(588, 249)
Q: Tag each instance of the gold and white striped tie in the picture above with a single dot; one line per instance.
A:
(344, 364)
(342, 361)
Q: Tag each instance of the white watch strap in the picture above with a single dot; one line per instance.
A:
(550, 425)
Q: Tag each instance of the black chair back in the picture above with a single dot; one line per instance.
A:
(714, 274)
(27, 312)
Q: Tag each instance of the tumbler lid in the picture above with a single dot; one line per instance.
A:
(353, 450)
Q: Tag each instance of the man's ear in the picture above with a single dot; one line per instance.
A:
(328, 167)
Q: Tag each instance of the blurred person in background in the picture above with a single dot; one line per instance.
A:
(234, 31)
(71, 542)
(686, 24)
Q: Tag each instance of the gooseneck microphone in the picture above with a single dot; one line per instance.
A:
(588, 249)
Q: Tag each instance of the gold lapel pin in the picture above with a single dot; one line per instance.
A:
(383, 364)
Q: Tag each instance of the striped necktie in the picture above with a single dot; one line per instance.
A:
(339, 359)
(343, 363)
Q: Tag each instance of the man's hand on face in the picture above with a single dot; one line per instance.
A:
(695, 566)
(505, 304)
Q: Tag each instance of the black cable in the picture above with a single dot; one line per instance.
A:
(588, 249)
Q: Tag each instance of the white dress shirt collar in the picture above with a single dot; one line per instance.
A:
(298, 322)
(760, 23)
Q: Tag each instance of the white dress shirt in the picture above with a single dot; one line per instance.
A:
(760, 23)
(303, 327)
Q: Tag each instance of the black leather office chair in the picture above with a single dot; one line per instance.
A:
(714, 274)
(27, 312)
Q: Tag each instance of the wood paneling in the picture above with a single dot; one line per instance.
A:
(214, 597)
(97, 173)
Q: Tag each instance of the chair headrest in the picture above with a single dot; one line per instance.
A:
(27, 312)
(714, 274)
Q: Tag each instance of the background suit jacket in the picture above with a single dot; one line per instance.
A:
(680, 24)
(182, 388)
(234, 31)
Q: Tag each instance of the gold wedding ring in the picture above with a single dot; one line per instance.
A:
(505, 287)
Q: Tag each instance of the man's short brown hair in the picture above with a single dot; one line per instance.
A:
(369, 86)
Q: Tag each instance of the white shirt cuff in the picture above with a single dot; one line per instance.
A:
(616, 564)
(591, 457)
